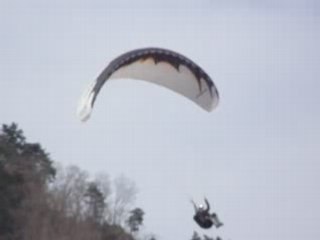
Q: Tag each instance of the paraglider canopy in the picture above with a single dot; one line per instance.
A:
(160, 66)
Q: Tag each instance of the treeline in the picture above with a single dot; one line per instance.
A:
(42, 201)
(196, 236)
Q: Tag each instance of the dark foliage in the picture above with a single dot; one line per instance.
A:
(21, 163)
(135, 219)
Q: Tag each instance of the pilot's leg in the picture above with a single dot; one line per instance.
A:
(216, 220)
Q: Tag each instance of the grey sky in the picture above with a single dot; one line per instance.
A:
(256, 157)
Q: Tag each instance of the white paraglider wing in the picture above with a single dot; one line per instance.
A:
(160, 66)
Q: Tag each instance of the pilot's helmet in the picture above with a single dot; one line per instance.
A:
(201, 207)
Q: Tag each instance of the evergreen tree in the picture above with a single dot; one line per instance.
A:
(22, 165)
(135, 219)
(25, 158)
(95, 201)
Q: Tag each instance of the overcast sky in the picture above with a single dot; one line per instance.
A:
(256, 157)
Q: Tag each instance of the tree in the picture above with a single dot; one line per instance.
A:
(23, 166)
(135, 219)
(27, 158)
(124, 195)
(95, 203)
(70, 216)
(10, 199)
(68, 191)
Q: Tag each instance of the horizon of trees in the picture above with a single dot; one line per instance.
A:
(196, 236)
(41, 200)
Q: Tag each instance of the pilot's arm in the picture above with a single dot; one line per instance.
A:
(207, 204)
(194, 206)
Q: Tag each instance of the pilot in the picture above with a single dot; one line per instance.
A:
(204, 218)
